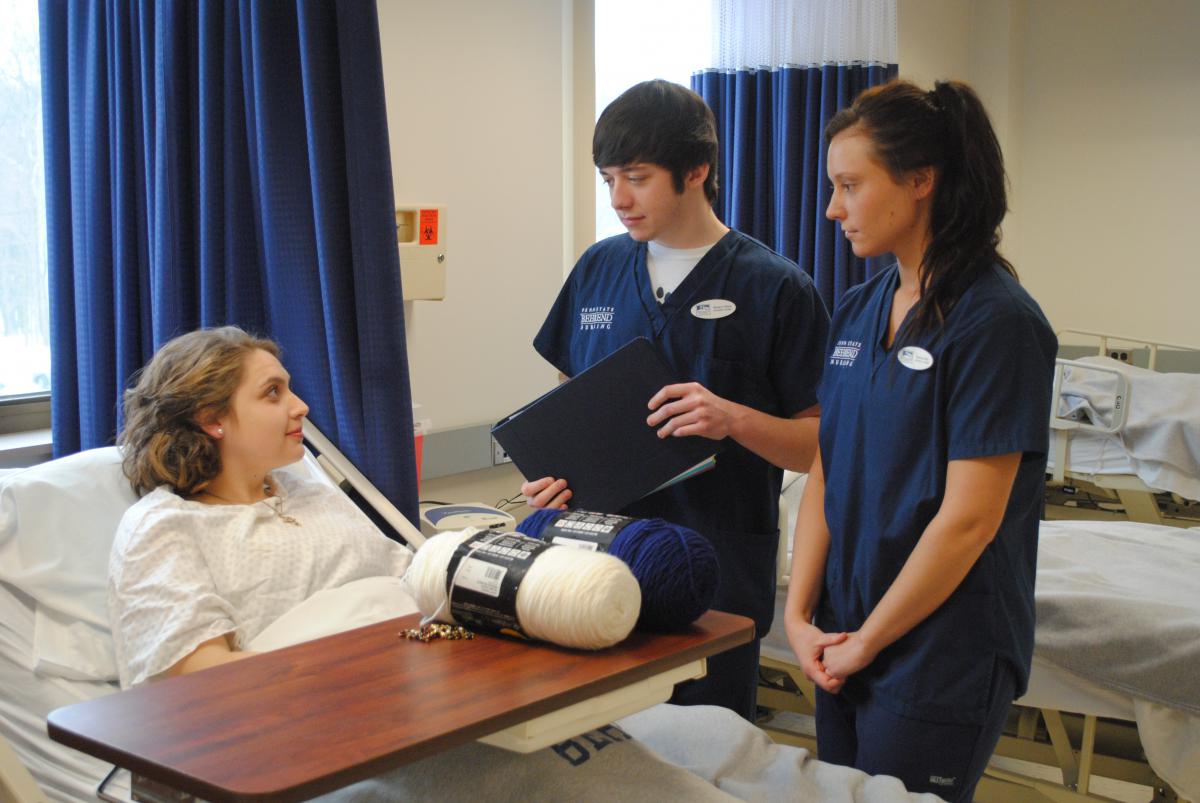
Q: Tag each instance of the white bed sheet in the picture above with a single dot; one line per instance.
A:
(26, 698)
(1091, 453)
(1160, 440)
(1053, 687)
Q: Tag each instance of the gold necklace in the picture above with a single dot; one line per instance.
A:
(278, 511)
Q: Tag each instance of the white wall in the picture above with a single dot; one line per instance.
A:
(1110, 165)
(933, 41)
(477, 114)
(1096, 106)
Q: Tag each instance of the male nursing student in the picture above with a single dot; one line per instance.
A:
(754, 363)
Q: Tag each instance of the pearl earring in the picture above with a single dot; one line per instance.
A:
(221, 431)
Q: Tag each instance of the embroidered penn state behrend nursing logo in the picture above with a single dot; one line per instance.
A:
(845, 353)
(596, 318)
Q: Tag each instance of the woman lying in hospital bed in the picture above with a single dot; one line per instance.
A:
(228, 553)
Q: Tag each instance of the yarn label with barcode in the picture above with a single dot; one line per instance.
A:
(483, 577)
(583, 529)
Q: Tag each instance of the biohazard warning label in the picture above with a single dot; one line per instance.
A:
(428, 227)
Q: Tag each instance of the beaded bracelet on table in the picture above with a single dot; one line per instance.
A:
(432, 632)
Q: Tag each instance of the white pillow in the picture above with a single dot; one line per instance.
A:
(308, 468)
(57, 523)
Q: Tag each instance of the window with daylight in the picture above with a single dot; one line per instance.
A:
(637, 41)
(24, 291)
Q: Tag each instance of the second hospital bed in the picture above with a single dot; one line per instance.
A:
(1128, 431)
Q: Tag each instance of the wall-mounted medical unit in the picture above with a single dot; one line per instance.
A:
(421, 238)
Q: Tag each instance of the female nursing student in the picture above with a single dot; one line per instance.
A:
(911, 598)
(221, 544)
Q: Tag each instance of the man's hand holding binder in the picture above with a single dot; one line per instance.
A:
(546, 492)
(591, 443)
(690, 408)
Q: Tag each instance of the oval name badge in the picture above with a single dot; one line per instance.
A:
(915, 357)
(713, 308)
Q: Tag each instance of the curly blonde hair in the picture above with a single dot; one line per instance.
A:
(191, 378)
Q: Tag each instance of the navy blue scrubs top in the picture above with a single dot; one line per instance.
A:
(888, 431)
(766, 355)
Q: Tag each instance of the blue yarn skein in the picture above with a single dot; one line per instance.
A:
(676, 568)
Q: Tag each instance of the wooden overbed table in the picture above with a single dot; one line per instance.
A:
(301, 721)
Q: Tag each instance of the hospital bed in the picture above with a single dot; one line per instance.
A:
(53, 615)
(1126, 434)
(55, 651)
(56, 528)
(1104, 590)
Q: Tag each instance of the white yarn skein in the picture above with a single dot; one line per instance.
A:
(570, 597)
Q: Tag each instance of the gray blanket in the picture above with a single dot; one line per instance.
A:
(741, 760)
(1118, 603)
(664, 753)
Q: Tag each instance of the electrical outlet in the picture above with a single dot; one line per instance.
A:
(498, 454)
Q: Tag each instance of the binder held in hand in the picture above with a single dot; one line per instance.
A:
(591, 431)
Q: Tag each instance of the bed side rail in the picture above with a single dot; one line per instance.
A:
(1107, 338)
(789, 505)
(343, 472)
(16, 783)
(1062, 427)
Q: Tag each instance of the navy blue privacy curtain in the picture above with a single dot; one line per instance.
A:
(780, 70)
(220, 162)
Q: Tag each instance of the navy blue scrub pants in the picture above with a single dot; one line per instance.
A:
(945, 759)
(731, 681)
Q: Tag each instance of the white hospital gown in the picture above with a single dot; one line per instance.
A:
(184, 572)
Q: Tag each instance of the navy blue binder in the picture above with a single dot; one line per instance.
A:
(591, 431)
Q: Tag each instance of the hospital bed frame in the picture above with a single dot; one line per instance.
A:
(16, 784)
(352, 482)
(1139, 500)
(19, 786)
(1079, 746)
